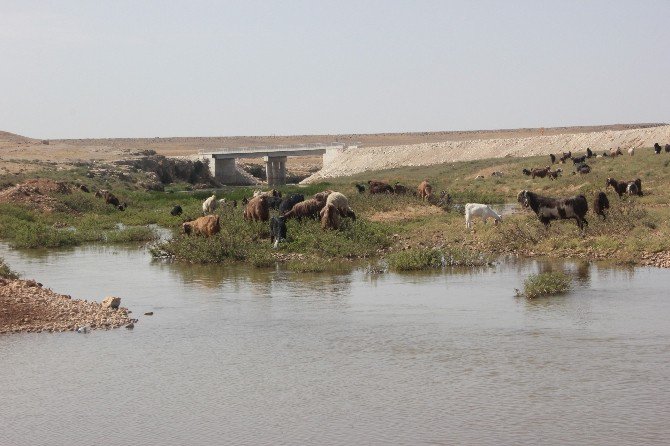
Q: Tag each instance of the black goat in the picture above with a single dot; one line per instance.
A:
(579, 160)
(548, 209)
(290, 201)
(277, 230)
(601, 204)
(657, 148)
(176, 210)
(589, 153)
(360, 188)
(553, 158)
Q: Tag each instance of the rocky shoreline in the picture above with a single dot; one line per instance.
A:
(27, 307)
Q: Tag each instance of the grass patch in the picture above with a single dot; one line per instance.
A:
(415, 259)
(6, 272)
(307, 266)
(546, 284)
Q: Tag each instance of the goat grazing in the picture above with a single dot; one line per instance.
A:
(565, 156)
(537, 172)
(360, 188)
(589, 153)
(579, 160)
(209, 205)
(480, 210)
(277, 230)
(341, 203)
(207, 226)
(526, 172)
(330, 217)
(584, 169)
(379, 187)
(306, 209)
(425, 190)
(288, 202)
(553, 175)
(257, 209)
(622, 187)
(548, 209)
(399, 189)
(601, 204)
(552, 157)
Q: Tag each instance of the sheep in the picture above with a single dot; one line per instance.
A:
(288, 202)
(330, 217)
(552, 157)
(425, 190)
(548, 209)
(657, 148)
(631, 151)
(306, 209)
(537, 172)
(601, 204)
(480, 210)
(176, 210)
(277, 230)
(360, 188)
(322, 196)
(209, 205)
(341, 203)
(270, 193)
(257, 209)
(206, 226)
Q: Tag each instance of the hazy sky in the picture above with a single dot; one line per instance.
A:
(200, 68)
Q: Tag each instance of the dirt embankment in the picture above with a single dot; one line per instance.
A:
(363, 159)
(26, 306)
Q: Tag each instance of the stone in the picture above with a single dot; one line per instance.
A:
(149, 313)
(111, 302)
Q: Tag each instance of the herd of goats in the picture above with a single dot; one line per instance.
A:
(331, 207)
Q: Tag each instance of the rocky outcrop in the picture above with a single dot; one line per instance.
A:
(111, 302)
(26, 306)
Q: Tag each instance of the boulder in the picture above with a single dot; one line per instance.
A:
(111, 302)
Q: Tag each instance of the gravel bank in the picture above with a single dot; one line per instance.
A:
(365, 159)
(26, 306)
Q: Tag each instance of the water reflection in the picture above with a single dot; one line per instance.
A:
(342, 358)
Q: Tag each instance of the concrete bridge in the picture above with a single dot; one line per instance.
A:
(224, 169)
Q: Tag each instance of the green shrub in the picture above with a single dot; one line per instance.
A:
(415, 259)
(546, 284)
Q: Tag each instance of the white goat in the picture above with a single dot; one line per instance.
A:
(631, 151)
(209, 205)
(479, 210)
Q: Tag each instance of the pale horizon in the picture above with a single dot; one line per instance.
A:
(79, 69)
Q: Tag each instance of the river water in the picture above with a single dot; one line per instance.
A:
(236, 355)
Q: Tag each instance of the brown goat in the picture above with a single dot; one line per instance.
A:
(258, 209)
(379, 187)
(616, 152)
(330, 217)
(207, 226)
(425, 190)
(537, 172)
(306, 209)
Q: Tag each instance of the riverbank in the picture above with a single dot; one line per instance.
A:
(27, 307)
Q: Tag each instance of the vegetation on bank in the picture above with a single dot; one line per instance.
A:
(546, 284)
(409, 233)
(6, 272)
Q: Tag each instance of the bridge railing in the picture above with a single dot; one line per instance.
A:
(274, 148)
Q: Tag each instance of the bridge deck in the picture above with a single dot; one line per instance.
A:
(272, 151)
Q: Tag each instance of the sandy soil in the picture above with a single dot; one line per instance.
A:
(19, 153)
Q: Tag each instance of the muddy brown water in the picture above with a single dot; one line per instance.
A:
(237, 355)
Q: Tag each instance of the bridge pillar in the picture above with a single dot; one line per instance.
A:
(224, 170)
(275, 170)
